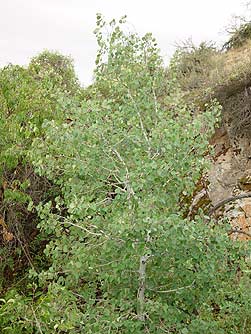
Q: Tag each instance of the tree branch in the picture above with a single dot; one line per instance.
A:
(240, 231)
(228, 200)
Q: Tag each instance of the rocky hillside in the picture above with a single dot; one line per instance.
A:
(207, 73)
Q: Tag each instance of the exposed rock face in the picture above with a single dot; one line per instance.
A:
(230, 173)
(241, 221)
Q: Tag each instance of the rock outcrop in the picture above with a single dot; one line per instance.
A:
(230, 173)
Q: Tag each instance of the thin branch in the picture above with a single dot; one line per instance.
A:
(127, 182)
(36, 319)
(239, 231)
(82, 228)
(97, 234)
(228, 200)
(173, 290)
(140, 121)
(155, 102)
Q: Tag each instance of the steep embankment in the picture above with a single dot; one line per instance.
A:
(226, 76)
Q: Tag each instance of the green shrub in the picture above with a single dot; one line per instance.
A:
(25, 102)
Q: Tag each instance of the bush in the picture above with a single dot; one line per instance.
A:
(25, 103)
(238, 36)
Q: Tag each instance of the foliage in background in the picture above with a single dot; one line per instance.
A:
(26, 100)
(194, 60)
(239, 34)
(54, 71)
(121, 255)
(205, 73)
(28, 97)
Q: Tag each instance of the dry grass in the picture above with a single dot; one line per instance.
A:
(219, 75)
